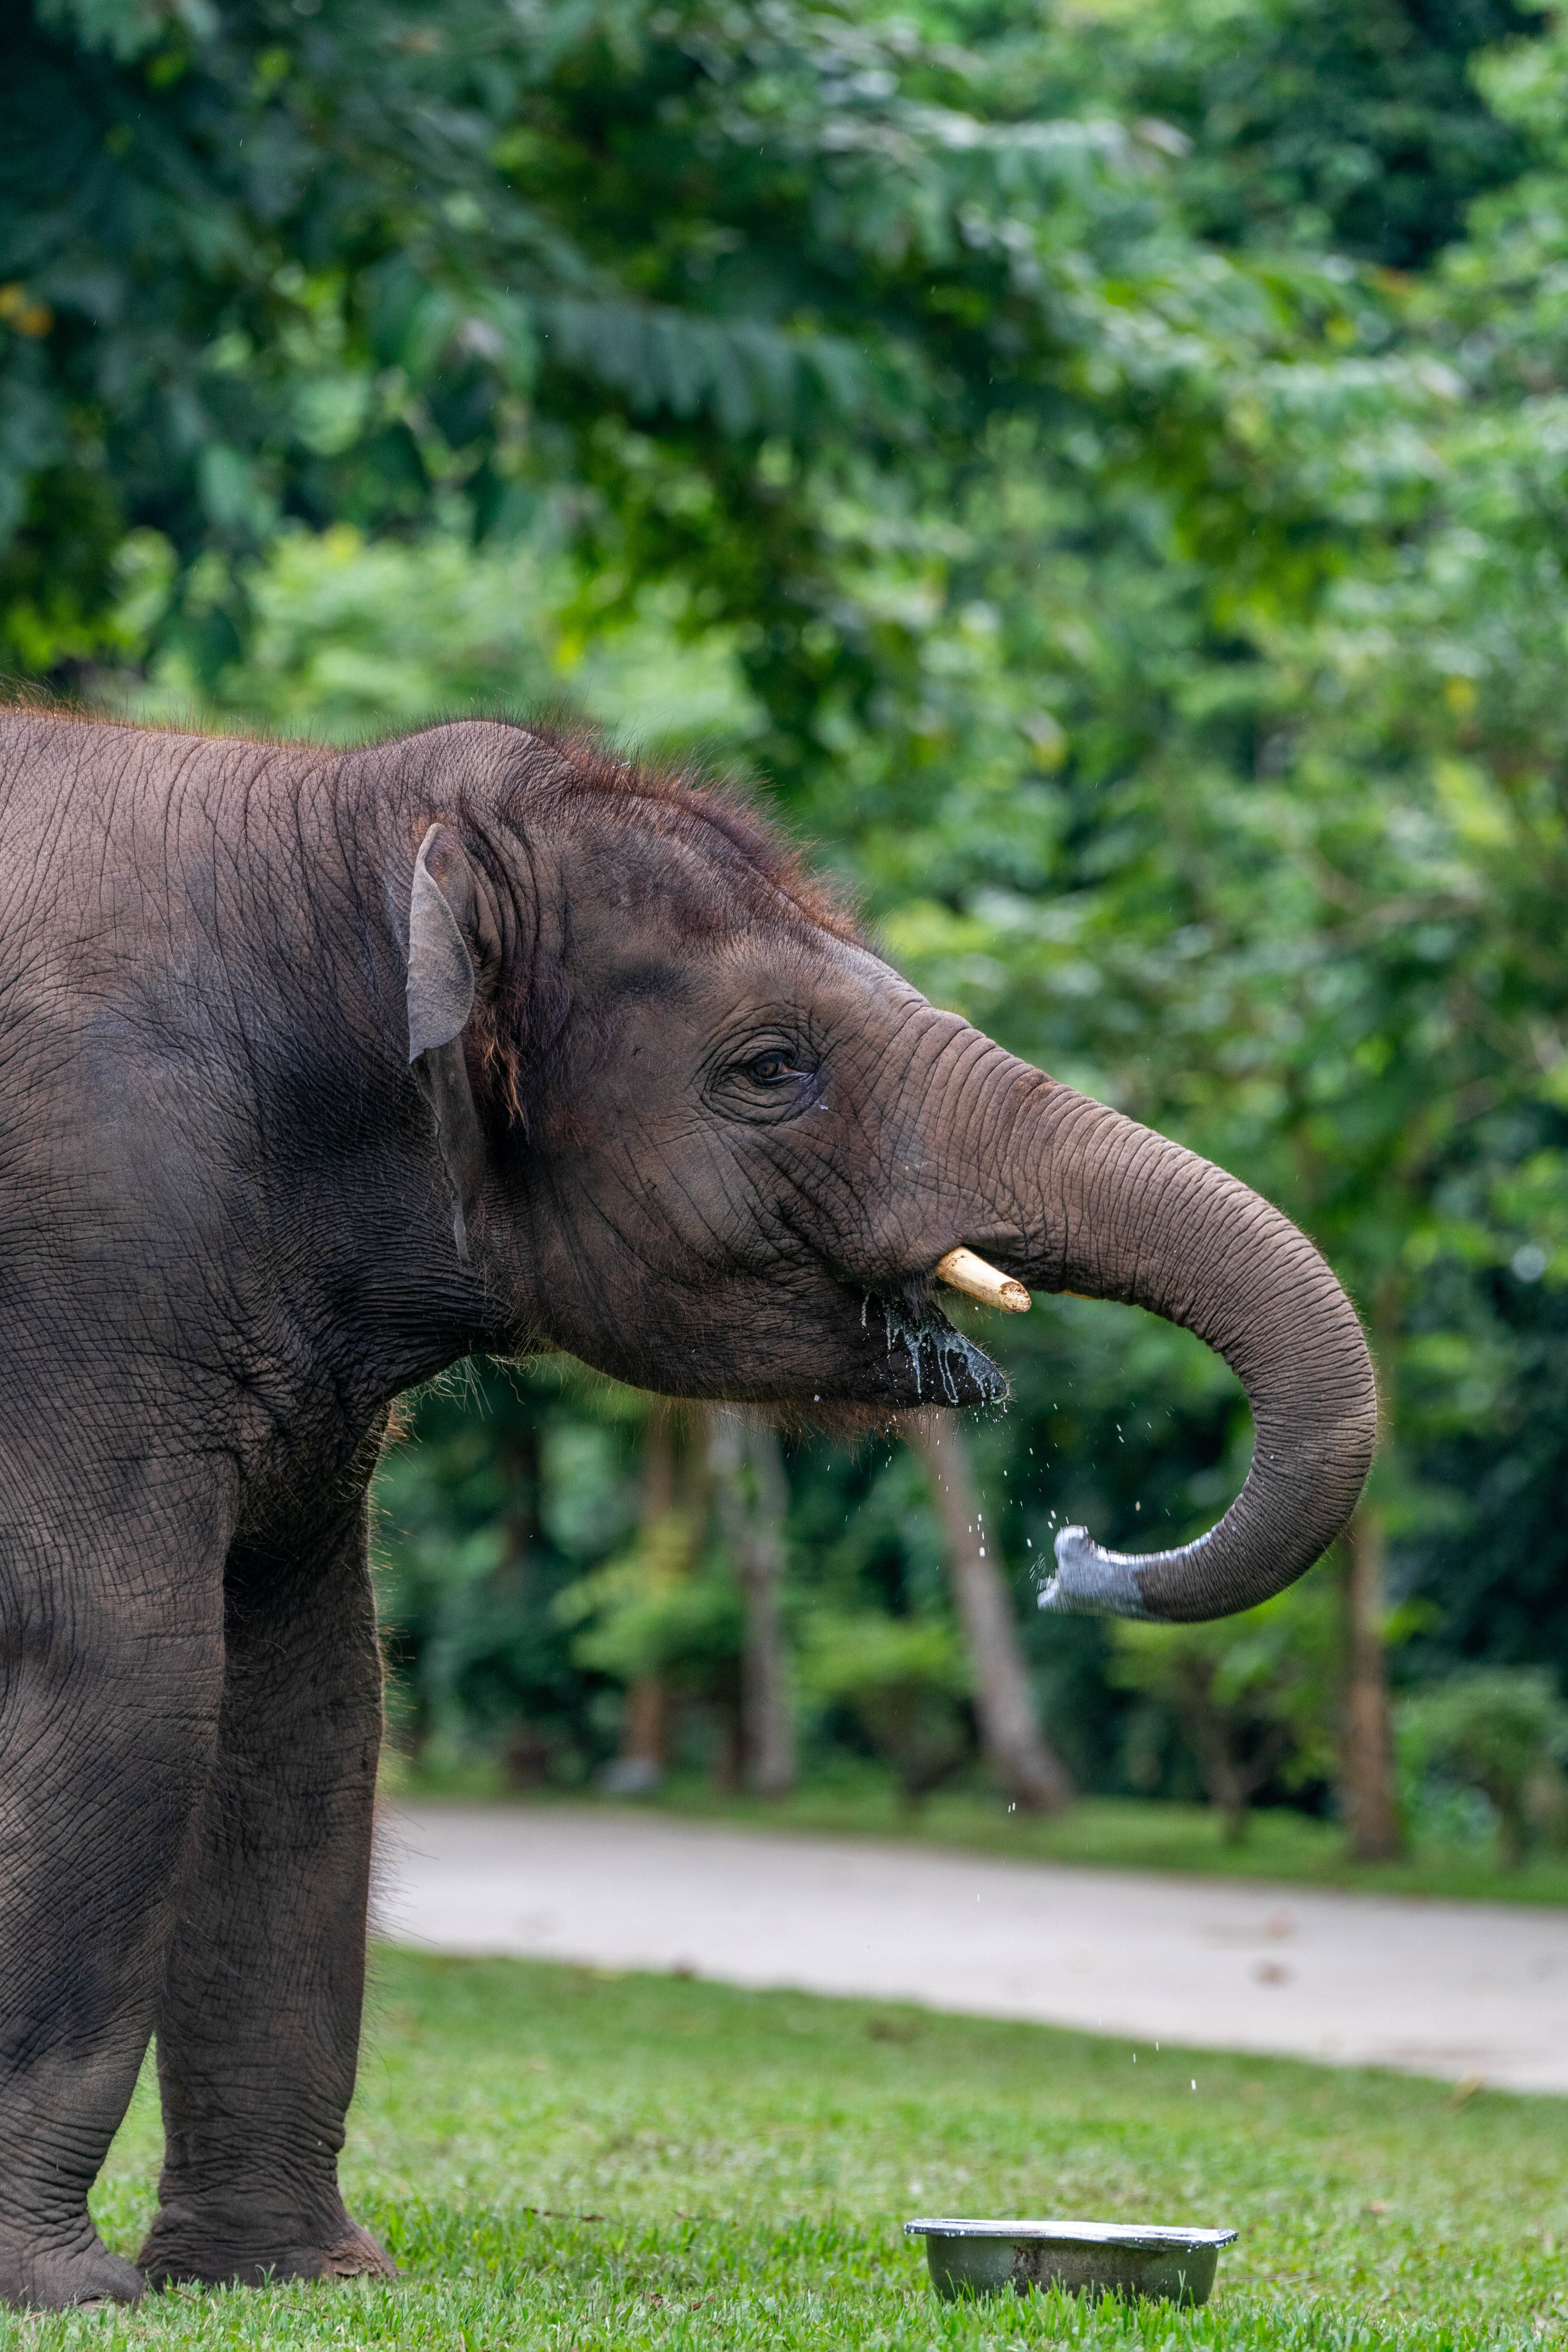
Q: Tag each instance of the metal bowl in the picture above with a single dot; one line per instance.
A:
(1081, 2257)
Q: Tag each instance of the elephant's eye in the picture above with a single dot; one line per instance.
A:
(774, 1068)
(771, 1079)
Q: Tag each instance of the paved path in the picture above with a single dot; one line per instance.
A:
(1449, 1988)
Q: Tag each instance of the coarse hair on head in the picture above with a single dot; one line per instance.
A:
(497, 781)
(543, 761)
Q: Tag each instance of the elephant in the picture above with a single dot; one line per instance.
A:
(327, 1068)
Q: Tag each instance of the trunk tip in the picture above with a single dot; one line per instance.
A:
(1092, 1582)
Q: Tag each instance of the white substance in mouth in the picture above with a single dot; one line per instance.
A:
(950, 1348)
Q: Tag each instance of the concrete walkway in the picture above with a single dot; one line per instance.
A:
(1449, 1988)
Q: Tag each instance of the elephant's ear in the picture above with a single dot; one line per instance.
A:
(442, 912)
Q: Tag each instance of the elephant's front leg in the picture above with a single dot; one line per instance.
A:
(259, 2025)
(110, 1679)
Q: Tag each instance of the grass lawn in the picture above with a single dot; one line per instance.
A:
(1121, 1832)
(578, 2162)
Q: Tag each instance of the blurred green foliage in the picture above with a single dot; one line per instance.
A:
(666, 1607)
(1100, 471)
(521, 1483)
(902, 1679)
(1502, 1732)
(1255, 1695)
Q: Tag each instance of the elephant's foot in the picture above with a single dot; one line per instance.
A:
(179, 2253)
(51, 2278)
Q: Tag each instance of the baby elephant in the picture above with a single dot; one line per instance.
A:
(324, 1069)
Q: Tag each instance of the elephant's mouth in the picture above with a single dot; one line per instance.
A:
(927, 1356)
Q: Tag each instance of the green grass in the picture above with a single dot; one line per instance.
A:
(1116, 1832)
(569, 2160)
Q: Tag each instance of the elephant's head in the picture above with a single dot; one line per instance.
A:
(698, 1134)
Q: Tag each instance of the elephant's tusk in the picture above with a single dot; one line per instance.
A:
(961, 1269)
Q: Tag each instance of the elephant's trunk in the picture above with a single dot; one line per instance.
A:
(1128, 1215)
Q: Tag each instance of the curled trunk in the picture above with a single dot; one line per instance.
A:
(1129, 1215)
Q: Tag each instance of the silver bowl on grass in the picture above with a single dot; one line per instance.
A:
(1168, 2266)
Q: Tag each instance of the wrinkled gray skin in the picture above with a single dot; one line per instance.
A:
(664, 1113)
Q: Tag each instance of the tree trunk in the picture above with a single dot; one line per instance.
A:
(753, 1497)
(1230, 1780)
(640, 1764)
(1228, 1791)
(1512, 1831)
(1371, 1814)
(645, 1720)
(1015, 1746)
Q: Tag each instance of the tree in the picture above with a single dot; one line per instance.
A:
(491, 1500)
(692, 284)
(1367, 1775)
(753, 1498)
(1010, 1736)
(678, 280)
(904, 1680)
(663, 1618)
(1503, 1730)
(1254, 1694)
(1347, 126)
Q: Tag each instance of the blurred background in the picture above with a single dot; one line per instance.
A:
(1099, 470)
